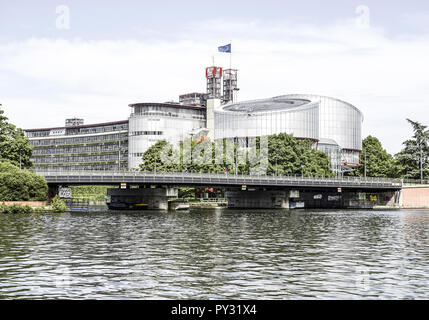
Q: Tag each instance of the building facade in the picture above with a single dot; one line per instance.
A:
(333, 124)
(341, 122)
(102, 146)
(151, 122)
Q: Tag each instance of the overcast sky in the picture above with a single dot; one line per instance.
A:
(105, 55)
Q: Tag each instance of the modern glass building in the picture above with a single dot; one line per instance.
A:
(151, 122)
(333, 124)
(341, 122)
(102, 146)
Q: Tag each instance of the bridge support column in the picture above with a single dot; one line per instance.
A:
(52, 191)
(398, 198)
(142, 198)
(258, 199)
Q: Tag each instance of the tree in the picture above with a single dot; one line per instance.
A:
(376, 161)
(190, 156)
(318, 165)
(286, 156)
(414, 158)
(152, 161)
(14, 146)
(20, 185)
(58, 205)
(290, 156)
(186, 192)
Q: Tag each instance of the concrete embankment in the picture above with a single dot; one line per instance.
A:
(209, 203)
(414, 197)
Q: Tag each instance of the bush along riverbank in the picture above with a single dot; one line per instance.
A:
(56, 206)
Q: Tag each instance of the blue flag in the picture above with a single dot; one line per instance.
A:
(226, 48)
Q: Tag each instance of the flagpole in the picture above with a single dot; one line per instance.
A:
(230, 70)
(230, 54)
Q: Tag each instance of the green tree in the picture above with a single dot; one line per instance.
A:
(14, 146)
(290, 156)
(379, 163)
(58, 205)
(186, 192)
(286, 156)
(20, 185)
(190, 156)
(318, 164)
(414, 157)
(152, 161)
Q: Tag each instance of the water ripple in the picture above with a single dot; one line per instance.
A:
(216, 254)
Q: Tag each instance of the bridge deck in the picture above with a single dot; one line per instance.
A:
(205, 179)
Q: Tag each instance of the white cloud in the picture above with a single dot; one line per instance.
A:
(419, 20)
(386, 78)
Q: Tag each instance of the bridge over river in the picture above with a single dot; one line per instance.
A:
(209, 179)
(243, 191)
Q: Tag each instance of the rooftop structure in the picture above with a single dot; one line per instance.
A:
(214, 76)
(74, 122)
(229, 85)
(193, 99)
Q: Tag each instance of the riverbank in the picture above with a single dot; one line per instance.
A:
(43, 207)
(33, 204)
(28, 207)
(25, 209)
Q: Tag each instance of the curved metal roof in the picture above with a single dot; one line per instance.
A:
(265, 105)
(281, 103)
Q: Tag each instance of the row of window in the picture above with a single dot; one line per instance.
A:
(74, 131)
(79, 140)
(87, 158)
(168, 110)
(98, 129)
(137, 154)
(169, 114)
(106, 167)
(146, 133)
(81, 149)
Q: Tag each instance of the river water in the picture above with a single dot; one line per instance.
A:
(216, 254)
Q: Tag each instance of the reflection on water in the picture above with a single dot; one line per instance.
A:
(216, 254)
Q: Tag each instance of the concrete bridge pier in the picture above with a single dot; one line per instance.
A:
(317, 198)
(258, 199)
(53, 190)
(140, 198)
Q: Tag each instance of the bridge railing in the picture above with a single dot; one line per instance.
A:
(218, 176)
